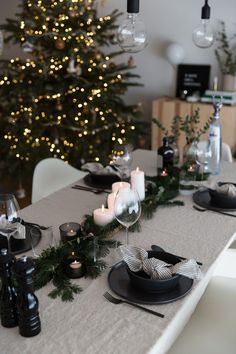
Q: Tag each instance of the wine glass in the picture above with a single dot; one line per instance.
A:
(8, 213)
(203, 156)
(127, 208)
(122, 159)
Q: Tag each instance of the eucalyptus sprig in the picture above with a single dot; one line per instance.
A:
(226, 51)
(174, 133)
(189, 125)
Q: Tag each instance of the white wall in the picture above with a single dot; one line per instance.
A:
(166, 21)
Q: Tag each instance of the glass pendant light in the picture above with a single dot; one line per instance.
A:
(203, 35)
(131, 34)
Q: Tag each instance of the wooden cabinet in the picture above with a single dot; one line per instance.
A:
(166, 108)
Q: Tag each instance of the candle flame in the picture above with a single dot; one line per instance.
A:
(137, 169)
(102, 208)
(73, 253)
(121, 184)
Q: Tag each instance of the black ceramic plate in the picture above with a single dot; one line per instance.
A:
(203, 199)
(119, 282)
(100, 181)
(20, 246)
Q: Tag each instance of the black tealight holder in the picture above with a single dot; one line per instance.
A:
(69, 231)
(74, 267)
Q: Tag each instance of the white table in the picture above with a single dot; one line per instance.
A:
(90, 324)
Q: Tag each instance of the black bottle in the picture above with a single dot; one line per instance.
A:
(167, 154)
(8, 297)
(29, 321)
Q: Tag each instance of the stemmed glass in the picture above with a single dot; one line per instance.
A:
(127, 208)
(8, 212)
(122, 159)
(203, 156)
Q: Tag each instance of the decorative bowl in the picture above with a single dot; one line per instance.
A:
(142, 281)
(222, 200)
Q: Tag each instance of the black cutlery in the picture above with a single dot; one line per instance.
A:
(91, 189)
(117, 301)
(157, 248)
(214, 210)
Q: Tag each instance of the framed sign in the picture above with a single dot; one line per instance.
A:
(192, 79)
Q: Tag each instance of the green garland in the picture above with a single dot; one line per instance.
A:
(50, 266)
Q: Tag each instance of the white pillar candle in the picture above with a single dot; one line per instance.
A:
(118, 185)
(111, 200)
(138, 182)
(102, 216)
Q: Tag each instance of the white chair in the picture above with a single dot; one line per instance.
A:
(211, 329)
(52, 174)
(226, 151)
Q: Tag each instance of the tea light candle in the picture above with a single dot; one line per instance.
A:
(164, 173)
(118, 185)
(191, 169)
(75, 265)
(138, 182)
(103, 216)
(69, 231)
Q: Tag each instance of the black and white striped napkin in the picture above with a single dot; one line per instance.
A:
(137, 259)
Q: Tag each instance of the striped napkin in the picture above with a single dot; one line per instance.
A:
(137, 259)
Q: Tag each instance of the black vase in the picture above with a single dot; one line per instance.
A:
(167, 154)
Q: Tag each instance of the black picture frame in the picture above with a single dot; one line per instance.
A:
(192, 79)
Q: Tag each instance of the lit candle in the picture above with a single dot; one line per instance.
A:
(164, 173)
(118, 185)
(191, 169)
(69, 231)
(75, 265)
(103, 216)
(138, 182)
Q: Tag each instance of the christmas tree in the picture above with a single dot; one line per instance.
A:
(65, 99)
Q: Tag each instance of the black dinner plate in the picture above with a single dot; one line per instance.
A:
(203, 199)
(20, 246)
(100, 181)
(119, 282)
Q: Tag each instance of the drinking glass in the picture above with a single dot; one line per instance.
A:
(122, 159)
(203, 156)
(47, 240)
(127, 208)
(8, 212)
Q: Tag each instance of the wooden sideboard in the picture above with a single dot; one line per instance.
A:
(165, 109)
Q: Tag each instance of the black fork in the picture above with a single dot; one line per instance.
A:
(117, 301)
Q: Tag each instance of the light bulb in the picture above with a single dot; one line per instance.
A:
(131, 34)
(203, 35)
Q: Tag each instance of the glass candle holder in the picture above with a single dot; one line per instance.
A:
(74, 267)
(186, 182)
(69, 231)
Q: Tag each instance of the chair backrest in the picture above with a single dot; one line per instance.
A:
(226, 151)
(52, 174)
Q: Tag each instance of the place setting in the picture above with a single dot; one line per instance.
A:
(152, 277)
(101, 177)
(219, 197)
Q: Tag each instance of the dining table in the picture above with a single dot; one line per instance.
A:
(90, 324)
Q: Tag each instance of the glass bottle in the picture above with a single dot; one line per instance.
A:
(167, 153)
(215, 139)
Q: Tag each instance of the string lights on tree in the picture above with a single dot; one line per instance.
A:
(64, 100)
